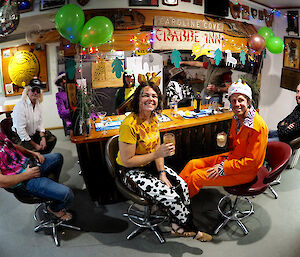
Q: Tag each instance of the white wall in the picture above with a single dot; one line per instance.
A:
(275, 102)
(51, 118)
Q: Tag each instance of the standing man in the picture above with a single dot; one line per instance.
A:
(289, 128)
(217, 81)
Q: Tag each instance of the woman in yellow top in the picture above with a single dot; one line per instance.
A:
(247, 145)
(141, 157)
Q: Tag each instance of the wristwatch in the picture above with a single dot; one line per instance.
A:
(219, 89)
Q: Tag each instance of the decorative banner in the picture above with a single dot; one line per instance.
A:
(185, 39)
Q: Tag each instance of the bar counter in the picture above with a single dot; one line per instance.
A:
(195, 138)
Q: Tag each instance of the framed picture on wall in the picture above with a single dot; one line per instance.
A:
(143, 3)
(50, 4)
(291, 53)
(20, 64)
(290, 79)
(25, 6)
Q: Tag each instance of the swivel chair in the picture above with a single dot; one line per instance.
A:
(145, 219)
(45, 219)
(278, 155)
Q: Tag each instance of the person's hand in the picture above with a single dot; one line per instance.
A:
(292, 125)
(43, 143)
(165, 150)
(38, 157)
(212, 88)
(213, 172)
(38, 147)
(33, 172)
(163, 178)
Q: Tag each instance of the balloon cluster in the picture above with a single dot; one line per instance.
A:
(266, 38)
(69, 23)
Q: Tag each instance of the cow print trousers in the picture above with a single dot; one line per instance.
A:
(152, 186)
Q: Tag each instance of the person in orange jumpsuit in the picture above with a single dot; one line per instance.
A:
(247, 144)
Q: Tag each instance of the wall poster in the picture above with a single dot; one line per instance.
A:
(291, 53)
(102, 75)
(20, 64)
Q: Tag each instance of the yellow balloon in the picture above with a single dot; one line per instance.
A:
(22, 67)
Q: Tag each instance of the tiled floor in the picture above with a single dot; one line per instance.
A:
(274, 228)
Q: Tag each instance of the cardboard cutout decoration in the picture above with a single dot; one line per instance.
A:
(229, 59)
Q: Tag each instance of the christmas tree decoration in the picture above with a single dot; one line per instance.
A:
(175, 58)
(218, 56)
(117, 67)
(243, 57)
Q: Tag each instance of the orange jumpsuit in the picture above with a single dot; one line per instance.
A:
(240, 164)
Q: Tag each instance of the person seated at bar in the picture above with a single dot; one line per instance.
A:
(125, 92)
(289, 128)
(141, 160)
(62, 101)
(28, 120)
(17, 174)
(247, 147)
(178, 89)
(217, 80)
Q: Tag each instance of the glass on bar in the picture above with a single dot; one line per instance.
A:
(221, 139)
(169, 138)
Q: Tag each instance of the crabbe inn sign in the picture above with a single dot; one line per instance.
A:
(183, 34)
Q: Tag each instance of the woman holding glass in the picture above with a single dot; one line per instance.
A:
(247, 144)
(141, 157)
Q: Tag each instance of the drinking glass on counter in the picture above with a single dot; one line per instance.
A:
(221, 139)
(101, 115)
(169, 138)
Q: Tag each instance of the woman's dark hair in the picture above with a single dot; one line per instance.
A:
(136, 97)
(124, 80)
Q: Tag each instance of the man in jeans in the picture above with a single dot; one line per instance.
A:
(289, 128)
(17, 174)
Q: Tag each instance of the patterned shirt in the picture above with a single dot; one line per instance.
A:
(12, 161)
(145, 136)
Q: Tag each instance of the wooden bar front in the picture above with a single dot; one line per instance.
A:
(194, 138)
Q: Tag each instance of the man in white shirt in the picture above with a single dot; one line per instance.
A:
(28, 120)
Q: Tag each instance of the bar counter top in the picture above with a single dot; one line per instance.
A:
(175, 124)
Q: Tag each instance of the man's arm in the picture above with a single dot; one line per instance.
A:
(27, 152)
(193, 63)
(12, 180)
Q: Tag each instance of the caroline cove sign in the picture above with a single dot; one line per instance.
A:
(185, 39)
(171, 22)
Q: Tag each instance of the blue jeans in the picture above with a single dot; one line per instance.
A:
(273, 136)
(43, 187)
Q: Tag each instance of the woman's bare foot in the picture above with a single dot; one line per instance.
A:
(203, 237)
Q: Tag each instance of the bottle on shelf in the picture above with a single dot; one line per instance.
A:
(197, 102)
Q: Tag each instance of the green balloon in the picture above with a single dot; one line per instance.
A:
(275, 45)
(69, 22)
(266, 33)
(96, 31)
